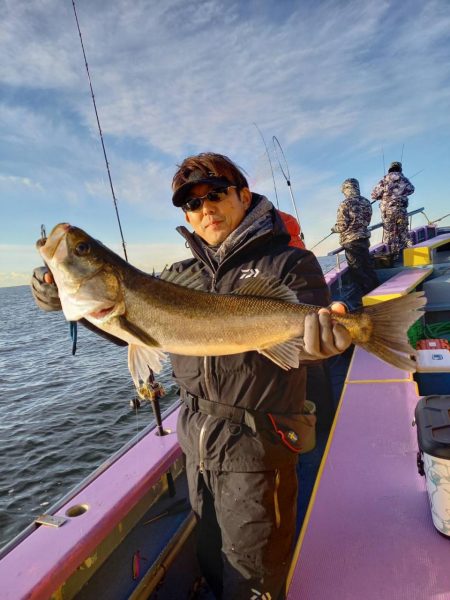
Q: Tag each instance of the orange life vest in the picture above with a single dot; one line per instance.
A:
(293, 228)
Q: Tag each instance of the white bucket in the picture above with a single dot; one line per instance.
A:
(437, 475)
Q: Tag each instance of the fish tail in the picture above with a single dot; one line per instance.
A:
(390, 322)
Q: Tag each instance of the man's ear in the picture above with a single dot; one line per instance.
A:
(246, 197)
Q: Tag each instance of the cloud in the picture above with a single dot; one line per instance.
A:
(163, 78)
(335, 82)
(311, 74)
(22, 181)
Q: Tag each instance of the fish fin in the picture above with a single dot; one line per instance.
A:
(191, 278)
(267, 287)
(137, 332)
(390, 321)
(396, 359)
(285, 355)
(140, 359)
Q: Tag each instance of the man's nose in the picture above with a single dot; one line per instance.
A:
(208, 206)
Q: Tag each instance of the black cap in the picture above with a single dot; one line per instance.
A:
(197, 177)
(396, 166)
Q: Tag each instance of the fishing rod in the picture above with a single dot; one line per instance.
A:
(100, 132)
(270, 163)
(322, 240)
(401, 156)
(437, 220)
(152, 383)
(287, 176)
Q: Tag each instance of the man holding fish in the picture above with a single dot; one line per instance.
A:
(239, 343)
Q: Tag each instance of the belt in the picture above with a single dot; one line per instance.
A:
(235, 414)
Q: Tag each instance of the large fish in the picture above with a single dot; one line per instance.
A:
(170, 314)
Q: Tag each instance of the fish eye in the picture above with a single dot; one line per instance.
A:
(82, 248)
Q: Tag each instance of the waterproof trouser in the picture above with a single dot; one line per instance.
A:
(395, 227)
(360, 264)
(246, 530)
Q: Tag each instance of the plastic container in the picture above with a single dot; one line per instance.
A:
(433, 371)
(433, 344)
(432, 418)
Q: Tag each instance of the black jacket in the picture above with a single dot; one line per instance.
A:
(248, 380)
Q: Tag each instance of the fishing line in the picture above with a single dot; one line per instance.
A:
(270, 163)
(287, 176)
(100, 131)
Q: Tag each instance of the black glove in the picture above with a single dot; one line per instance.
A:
(47, 298)
(45, 294)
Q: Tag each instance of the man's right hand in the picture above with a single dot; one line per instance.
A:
(44, 290)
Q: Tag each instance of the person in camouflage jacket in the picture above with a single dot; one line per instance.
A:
(353, 218)
(392, 191)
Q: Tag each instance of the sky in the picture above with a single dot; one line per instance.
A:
(345, 86)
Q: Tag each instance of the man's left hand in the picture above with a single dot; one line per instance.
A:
(323, 337)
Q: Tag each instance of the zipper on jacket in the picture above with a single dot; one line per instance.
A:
(201, 443)
(276, 503)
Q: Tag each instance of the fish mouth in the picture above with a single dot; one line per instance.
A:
(47, 248)
(101, 314)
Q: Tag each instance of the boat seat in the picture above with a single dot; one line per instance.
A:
(399, 285)
(422, 254)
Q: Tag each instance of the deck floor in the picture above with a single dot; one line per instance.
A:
(369, 533)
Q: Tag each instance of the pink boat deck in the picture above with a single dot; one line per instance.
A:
(43, 561)
(368, 533)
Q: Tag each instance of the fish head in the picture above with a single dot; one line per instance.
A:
(85, 272)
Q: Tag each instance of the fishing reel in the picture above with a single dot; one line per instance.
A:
(150, 389)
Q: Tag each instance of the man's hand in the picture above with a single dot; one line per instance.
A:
(322, 337)
(44, 290)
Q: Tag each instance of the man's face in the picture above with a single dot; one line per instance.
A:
(214, 221)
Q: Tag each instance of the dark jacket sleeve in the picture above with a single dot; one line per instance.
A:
(303, 274)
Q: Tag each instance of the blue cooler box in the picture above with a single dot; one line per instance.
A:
(433, 371)
(432, 418)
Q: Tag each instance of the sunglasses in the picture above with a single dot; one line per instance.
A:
(195, 204)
